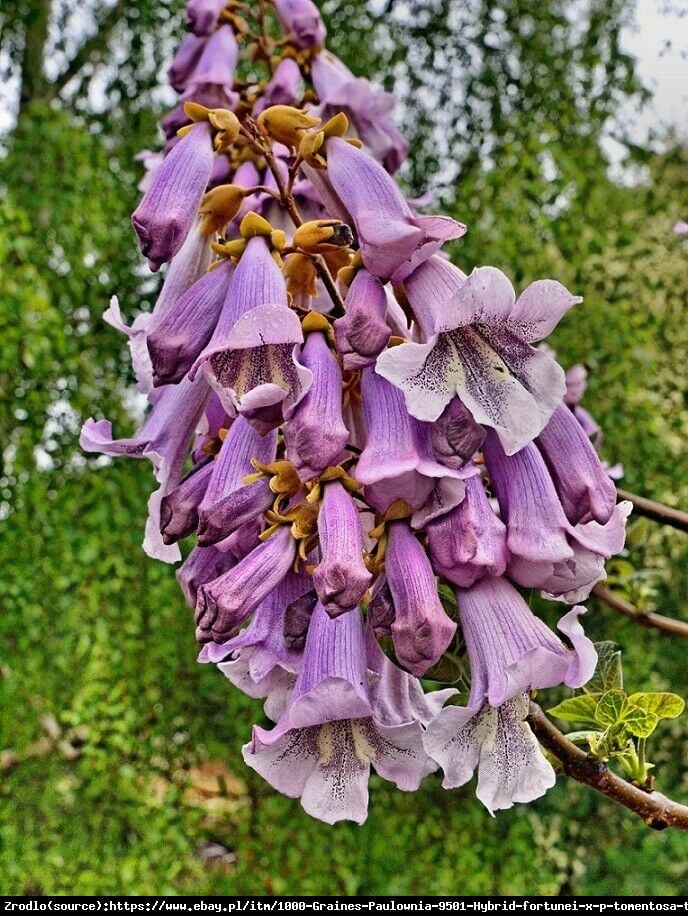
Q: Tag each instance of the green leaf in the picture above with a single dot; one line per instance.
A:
(639, 722)
(577, 709)
(662, 705)
(608, 674)
(611, 708)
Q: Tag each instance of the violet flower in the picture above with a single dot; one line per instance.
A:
(224, 603)
(182, 333)
(302, 20)
(583, 486)
(421, 630)
(478, 346)
(164, 439)
(184, 61)
(367, 106)
(179, 508)
(282, 88)
(201, 566)
(470, 541)
(202, 15)
(362, 333)
(228, 503)
(341, 578)
(397, 462)
(251, 360)
(168, 209)
(393, 241)
(316, 436)
(335, 728)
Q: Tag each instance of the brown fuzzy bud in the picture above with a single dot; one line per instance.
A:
(219, 206)
(320, 235)
(286, 124)
(300, 274)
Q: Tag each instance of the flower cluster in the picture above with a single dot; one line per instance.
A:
(353, 428)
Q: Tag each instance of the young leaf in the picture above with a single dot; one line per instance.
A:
(611, 708)
(608, 674)
(639, 722)
(663, 705)
(580, 709)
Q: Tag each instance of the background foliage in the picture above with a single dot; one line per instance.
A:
(114, 737)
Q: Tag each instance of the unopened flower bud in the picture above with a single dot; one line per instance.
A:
(319, 235)
(253, 224)
(300, 274)
(286, 124)
(219, 206)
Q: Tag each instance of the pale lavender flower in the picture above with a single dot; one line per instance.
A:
(421, 630)
(393, 240)
(302, 20)
(470, 541)
(499, 742)
(341, 578)
(168, 209)
(367, 106)
(362, 333)
(681, 227)
(335, 728)
(478, 346)
(316, 436)
(217, 61)
(512, 651)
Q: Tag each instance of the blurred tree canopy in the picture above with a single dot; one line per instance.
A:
(506, 103)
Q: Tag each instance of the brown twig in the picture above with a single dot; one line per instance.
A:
(658, 512)
(655, 809)
(644, 618)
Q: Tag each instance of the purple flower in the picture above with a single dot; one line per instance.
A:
(455, 436)
(202, 15)
(335, 728)
(217, 62)
(168, 209)
(179, 508)
(301, 19)
(251, 360)
(478, 346)
(499, 742)
(258, 660)
(362, 333)
(202, 565)
(576, 383)
(393, 241)
(164, 439)
(282, 88)
(224, 604)
(367, 106)
(228, 503)
(470, 541)
(341, 578)
(512, 651)
(184, 61)
(584, 489)
(680, 227)
(316, 436)
(421, 630)
(181, 334)
(397, 462)
(545, 550)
